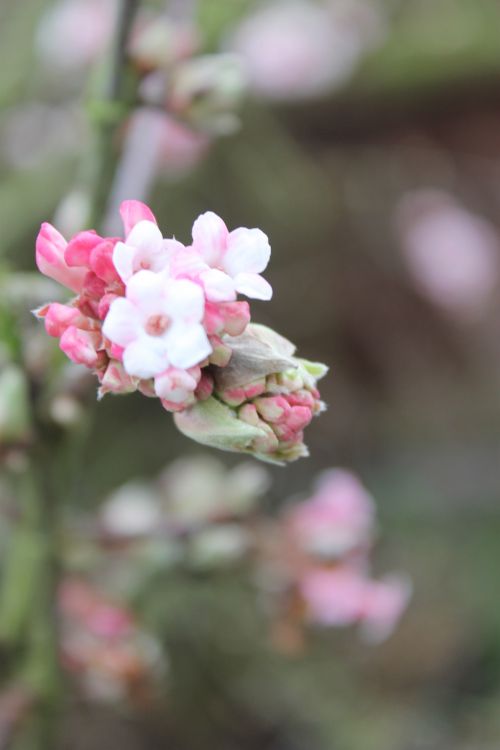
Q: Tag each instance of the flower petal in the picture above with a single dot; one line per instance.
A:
(146, 289)
(132, 212)
(145, 357)
(185, 301)
(80, 246)
(253, 285)
(218, 286)
(248, 252)
(210, 237)
(187, 345)
(145, 236)
(123, 259)
(121, 325)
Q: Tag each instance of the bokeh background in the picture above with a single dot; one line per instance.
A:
(374, 167)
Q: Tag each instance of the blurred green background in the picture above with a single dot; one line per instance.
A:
(413, 391)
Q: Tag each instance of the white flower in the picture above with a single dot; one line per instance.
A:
(158, 324)
(143, 249)
(236, 259)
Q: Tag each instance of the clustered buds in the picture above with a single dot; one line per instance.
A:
(154, 315)
(262, 400)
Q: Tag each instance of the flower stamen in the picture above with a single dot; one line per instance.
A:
(156, 325)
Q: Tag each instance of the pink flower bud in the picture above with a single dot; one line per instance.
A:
(101, 262)
(116, 380)
(336, 520)
(82, 347)
(176, 388)
(205, 387)
(94, 287)
(78, 250)
(50, 249)
(226, 317)
(221, 352)
(105, 304)
(59, 317)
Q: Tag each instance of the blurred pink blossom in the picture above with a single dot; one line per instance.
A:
(344, 596)
(338, 518)
(181, 148)
(103, 646)
(295, 49)
(452, 254)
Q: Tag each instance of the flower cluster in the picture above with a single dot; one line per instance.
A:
(154, 315)
(327, 543)
(112, 658)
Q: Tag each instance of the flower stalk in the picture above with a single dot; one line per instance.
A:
(109, 111)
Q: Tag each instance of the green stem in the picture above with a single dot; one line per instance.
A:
(109, 112)
(29, 596)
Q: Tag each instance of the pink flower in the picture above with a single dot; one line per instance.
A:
(334, 597)
(296, 49)
(181, 148)
(158, 324)
(452, 254)
(239, 257)
(385, 601)
(344, 596)
(336, 519)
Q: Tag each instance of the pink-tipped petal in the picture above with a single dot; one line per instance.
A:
(132, 212)
(210, 237)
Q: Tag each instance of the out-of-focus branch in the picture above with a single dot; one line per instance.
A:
(109, 112)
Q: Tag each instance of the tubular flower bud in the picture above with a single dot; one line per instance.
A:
(262, 400)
